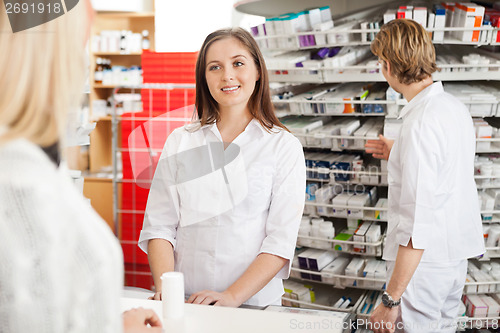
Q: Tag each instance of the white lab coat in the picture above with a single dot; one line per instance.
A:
(433, 200)
(432, 193)
(221, 208)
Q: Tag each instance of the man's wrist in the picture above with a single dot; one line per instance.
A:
(388, 301)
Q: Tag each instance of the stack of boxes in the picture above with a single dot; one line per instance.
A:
(299, 292)
(312, 20)
(447, 14)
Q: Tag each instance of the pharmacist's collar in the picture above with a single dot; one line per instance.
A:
(433, 89)
(253, 127)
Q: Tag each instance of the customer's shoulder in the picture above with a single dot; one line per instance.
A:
(25, 161)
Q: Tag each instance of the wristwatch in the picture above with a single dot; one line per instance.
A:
(388, 301)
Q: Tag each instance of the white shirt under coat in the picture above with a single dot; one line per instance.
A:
(221, 208)
(432, 193)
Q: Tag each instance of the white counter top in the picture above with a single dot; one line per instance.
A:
(215, 319)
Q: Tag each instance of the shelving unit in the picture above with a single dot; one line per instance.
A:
(322, 77)
(98, 185)
(100, 148)
(357, 41)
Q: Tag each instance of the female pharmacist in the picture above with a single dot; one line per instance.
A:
(434, 223)
(228, 193)
(61, 267)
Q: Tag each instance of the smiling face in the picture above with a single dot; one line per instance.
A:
(230, 73)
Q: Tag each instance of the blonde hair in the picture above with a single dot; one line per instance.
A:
(42, 77)
(408, 48)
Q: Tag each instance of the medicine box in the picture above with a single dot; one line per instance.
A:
(357, 200)
(304, 264)
(372, 236)
(340, 205)
(475, 306)
(353, 224)
(320, 259)
(469, 15)
(368, 272)
(324, 195)
(344, 163)
(355, 268)
(348, 130)
(420, 15)
(380, 274)
(321, 135)
(336, 267)
(298, 292)
(344, 235)
(381, 214)
(493, 306)
(389, 15)
(360, 132)
(359, 236)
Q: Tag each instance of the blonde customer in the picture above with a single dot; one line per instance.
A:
(60, 265)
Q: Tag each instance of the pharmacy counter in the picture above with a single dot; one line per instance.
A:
(208, 319)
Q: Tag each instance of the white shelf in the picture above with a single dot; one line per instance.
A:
(381, 209)
(332, 181)
(488, 151)
(355, 38)
(375, 77)
(317, 305)
(447, 41)
(339, 276)
(353, 114)
(366, 217)
(335, 241)
(353, 137)
(338, 101)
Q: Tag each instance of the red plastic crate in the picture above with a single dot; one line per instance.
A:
(138, 276)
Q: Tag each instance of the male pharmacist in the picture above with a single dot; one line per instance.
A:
(434, 223)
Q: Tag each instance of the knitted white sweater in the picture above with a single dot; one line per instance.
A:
(60, 265)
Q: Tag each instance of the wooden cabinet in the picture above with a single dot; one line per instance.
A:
(100, 192)
(100, 140)
(98, 185)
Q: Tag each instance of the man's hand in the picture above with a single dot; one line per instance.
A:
(136, 321)
(379, 148)
(383, 319)
(209, 297)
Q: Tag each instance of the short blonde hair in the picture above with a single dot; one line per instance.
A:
(43, 71)
(408, 48)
